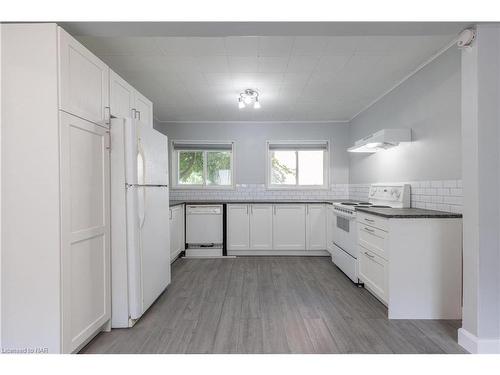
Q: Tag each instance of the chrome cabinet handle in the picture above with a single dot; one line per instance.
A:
(369, 230)
(369, 220)
(369, 255)
(107, 115)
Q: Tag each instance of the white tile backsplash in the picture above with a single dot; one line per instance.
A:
(433, 195)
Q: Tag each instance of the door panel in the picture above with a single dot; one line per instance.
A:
(316, 227)
(85, 230)
(154, 146)
(261, 227)
(121, 96)
(154, 244)
(289, 227)
(144, 110)
(84, 81)
(238, 227)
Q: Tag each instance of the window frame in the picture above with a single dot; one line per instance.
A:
(174, 162)
(297, 186)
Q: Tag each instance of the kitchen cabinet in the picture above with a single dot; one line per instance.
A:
(261, 227)
(121, 96)
(126, 101)
(316, 227)
(373, 271)
(143, 109)
(238, 227)
(177, 232)
(85, 229)
(330, 224)
(83, 80)
(56, 220)
(411, 263)
(289, 227)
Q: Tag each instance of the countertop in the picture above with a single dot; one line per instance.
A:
(409, 213)
(276, 201)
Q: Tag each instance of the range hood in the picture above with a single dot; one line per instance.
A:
(381, 140)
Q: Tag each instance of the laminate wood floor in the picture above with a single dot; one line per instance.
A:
(271, 305)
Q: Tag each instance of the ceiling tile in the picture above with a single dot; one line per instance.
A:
(302, 64)
(242, 46)
(275, 46)
(272, 64)
(245, 64)
(309, 45)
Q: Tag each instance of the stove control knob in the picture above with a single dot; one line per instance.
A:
(395, 193)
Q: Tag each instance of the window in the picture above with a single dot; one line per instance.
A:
(297, 164)
(202, 164)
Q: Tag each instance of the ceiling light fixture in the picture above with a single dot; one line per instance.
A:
(249, 97)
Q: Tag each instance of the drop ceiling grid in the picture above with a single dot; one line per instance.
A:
(300, 78)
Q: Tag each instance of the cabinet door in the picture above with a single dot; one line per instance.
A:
(85, 230)
(181, 241)
(316, 227)
(330, 222)
(143, 109)
(238, 227)
(84, 81)
(121, 96)
(261, 227)
(289, 227)
(373, 271)
(173, 234)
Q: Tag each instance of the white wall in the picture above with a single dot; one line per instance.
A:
(250, 143)
(429, 104)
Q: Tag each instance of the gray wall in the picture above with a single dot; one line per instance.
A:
(429, 104)
(250, 143)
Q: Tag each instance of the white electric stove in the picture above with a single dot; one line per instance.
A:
(345, 234)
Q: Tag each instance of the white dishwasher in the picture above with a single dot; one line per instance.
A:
(204, 233)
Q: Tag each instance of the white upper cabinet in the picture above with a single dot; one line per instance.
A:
(143, 109)
(261, 227)
(84, 81)
(289, 227)
(238, 227)
(316, 227)
(121, 96)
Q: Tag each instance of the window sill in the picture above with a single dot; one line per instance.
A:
(202, 188)
(295, 187)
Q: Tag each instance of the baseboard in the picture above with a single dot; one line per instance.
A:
(474, 345)
(320, 253)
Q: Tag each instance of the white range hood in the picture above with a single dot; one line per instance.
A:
(381, 140)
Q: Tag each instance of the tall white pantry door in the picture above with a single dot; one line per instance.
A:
(85, 229)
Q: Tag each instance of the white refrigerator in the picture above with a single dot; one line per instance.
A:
(140, 238)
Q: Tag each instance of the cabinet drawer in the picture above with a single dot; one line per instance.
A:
(373, 239)
(373, 271)
(374, 221)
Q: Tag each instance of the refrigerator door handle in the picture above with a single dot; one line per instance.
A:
(141, 203)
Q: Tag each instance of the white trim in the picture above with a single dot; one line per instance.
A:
(326, 167)
(174, 166)
(408, 76)
(239, 122)
(474, 345)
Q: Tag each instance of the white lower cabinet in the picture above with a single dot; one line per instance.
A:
(289, 227)
(238, 227)
(261, 226)
(330, 223)
(316, 227)
(177, 238)
(374, 273)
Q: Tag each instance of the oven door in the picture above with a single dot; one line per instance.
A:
(345, 234)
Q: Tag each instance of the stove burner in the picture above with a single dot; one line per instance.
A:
(364, 204)
(349, 204)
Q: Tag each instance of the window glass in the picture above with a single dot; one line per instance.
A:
(190, 168)
(283, 167)
(311, 167)
(218, 168)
